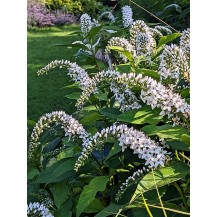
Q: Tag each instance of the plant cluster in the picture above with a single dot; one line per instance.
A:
(126, 150)
(39, 15)
(173, 12)
(77, 7)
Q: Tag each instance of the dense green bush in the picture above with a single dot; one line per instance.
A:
(77, 7)
(174, 12)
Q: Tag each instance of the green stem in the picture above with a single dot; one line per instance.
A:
(184, 157)
(177, 155)
(169, 209)
(159, 197)
(146, 206)
(182, 195)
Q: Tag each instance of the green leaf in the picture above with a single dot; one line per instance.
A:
(178, 145)
(89, 108)
(141, 116)
(150, 73)
(110, 113)
(93, 116)
(165, 131)
(74, 95)
(88, 194)
(56, 171)
(32, 172)
(66, 209)
(186, 139)
(52, 145)
(102, 96)
(124, 68)
(126, 53)
(163, 176)
(95, 206)
(185, 93)
(109, 210)
(60, 193)
(73, 86)
(168, 38)
(115, 149)
(94, 31)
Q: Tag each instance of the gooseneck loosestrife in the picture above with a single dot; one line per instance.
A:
(129, 91)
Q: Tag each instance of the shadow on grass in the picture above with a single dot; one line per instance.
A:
(44, 93)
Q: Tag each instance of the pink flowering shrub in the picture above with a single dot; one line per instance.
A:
(39, 15)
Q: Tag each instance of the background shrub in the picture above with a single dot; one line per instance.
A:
(78, 7)
(39, 15)
(174, 12)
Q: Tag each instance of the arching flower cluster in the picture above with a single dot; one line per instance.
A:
(145, 44)
(142, 42)
(152, 93)
(157, 95)
(44, 198)
(136, 176)
(109, 15)
(74, 71)
(39, 210)
(125, 98)
(121, 42)
(127, 16)
(69, 124)
(159, 30)
(139, 26)
(174, 64)
(185, 41)
(147, 149)
(86, 23)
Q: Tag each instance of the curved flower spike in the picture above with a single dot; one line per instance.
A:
(147, 149)
(69, 124)
(74, 71)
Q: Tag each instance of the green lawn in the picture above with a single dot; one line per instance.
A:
(45, 92)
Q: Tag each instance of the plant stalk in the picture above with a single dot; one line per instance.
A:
(182, 195)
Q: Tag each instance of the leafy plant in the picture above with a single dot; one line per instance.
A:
(125, 151)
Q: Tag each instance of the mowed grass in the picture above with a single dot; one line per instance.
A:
(46, 93)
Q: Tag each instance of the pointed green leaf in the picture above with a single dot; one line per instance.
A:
(95, 206)
(60, 193)
(165, 131)
(168, 38)
(93, 116)
(74, 95)
(186, 139)
(52, 145)
(110, 112)
(141, 116)
(32, 172)
(178, 145)
(110, 210)
(125, 68)
(126, 53)
(115, 149)
(88, 194)
(163, 176)
(56, 171)
(94, 31)
(150, 73)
